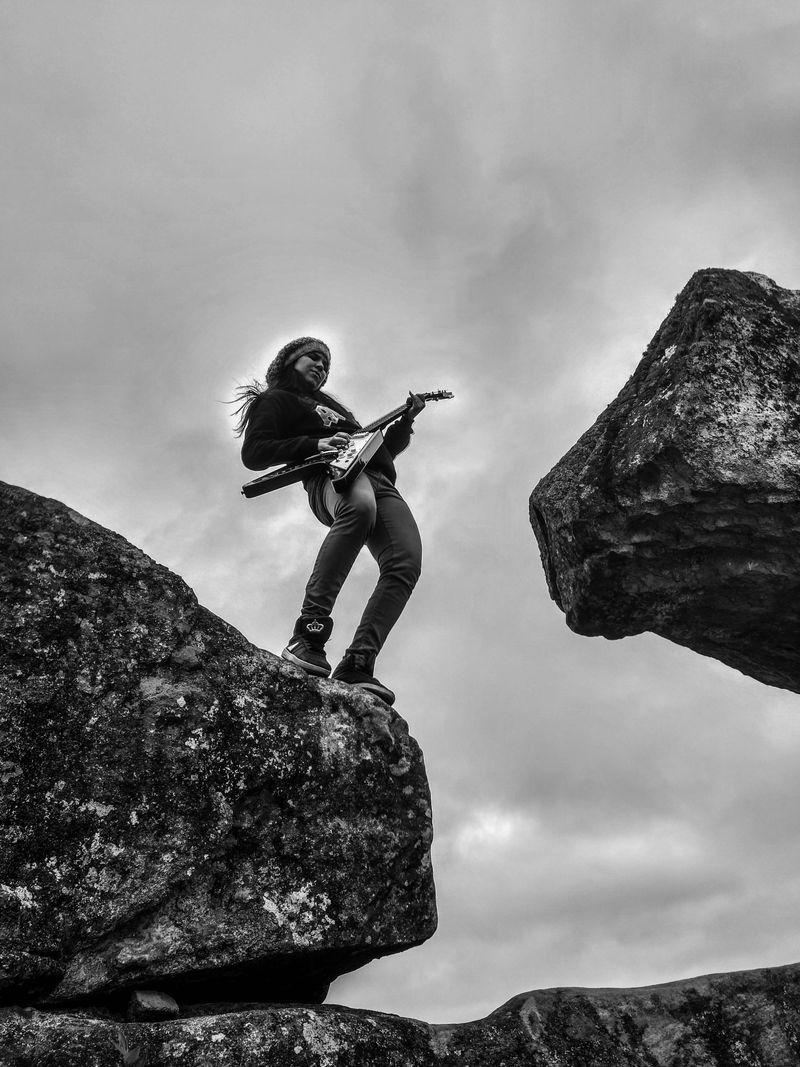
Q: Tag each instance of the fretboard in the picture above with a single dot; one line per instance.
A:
(378, 423)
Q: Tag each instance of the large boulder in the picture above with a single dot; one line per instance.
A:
(179, 809)
(719, 1021)
(678, 511)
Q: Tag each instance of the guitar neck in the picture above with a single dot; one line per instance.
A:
(378, 424)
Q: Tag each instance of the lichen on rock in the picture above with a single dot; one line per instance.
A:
(743, 1019)
(180, 809)
(678, 511)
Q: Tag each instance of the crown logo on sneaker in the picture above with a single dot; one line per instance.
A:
(314, 627)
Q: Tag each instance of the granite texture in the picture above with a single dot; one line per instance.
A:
(678, 511)
(747, 1019)
(180, 810)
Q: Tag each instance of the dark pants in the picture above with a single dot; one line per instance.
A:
(370, 513)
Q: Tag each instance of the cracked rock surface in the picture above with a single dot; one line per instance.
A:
(180, 810)
(678, 511)
(747, 1018)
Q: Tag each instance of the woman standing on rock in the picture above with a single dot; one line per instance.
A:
(291, 420)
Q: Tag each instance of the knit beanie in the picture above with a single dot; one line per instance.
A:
(289, 354)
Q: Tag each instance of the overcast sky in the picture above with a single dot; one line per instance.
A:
(500, 198)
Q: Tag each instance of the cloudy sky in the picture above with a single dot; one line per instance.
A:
(501, 198)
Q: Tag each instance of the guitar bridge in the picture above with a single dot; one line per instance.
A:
(352, 460)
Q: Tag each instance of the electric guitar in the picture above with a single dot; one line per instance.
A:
(342, 467)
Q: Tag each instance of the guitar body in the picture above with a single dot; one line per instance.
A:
(344, 467)
(353, 460)
(287, 475)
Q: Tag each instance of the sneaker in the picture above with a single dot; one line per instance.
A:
(306, 649)
(354, 670)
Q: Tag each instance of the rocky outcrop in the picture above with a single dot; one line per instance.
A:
(678, 511)
(718, 1021)
(181, 811)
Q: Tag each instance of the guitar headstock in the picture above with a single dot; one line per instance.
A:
(439, 394)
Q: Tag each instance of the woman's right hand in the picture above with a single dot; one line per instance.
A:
(335, 443)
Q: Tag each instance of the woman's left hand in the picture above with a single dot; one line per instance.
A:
(414, 405)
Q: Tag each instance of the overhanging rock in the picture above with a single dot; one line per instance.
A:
(179, 809)
(678, 511)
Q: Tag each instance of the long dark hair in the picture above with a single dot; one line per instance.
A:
(245, 396)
